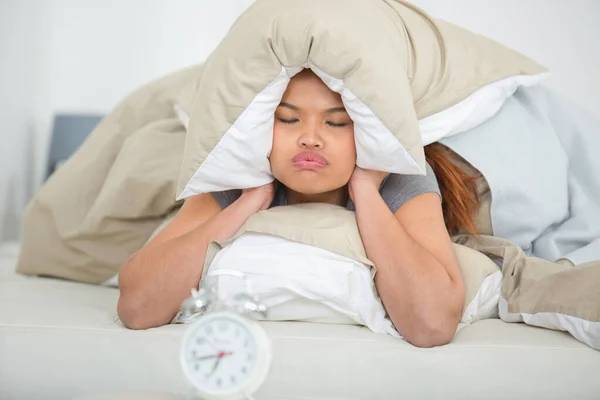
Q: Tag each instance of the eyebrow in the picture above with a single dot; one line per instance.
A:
(335, 109)
(328, 111)
(288, 105)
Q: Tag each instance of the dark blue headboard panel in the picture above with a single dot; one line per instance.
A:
(68, 133)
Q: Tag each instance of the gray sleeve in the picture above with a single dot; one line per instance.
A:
(227, 197)
(398, 189)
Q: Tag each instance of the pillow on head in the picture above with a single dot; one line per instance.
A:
(300, 256)
(392, 69)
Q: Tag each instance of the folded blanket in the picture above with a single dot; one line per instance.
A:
(557, 295)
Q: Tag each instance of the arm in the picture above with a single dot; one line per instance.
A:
(418, 276)
(156, 279)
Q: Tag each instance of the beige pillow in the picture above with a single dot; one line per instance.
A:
(393, 68)
(334, 228)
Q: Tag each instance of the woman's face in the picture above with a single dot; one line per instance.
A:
(313, 138)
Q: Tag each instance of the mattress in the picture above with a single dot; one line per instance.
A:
(61, 340)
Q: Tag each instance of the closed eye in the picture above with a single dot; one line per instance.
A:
(288, 121)
(333, 124)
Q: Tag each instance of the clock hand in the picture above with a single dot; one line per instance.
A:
(218, 362)
(219, 356)
(215, 366)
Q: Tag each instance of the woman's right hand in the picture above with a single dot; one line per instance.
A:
(263, 195)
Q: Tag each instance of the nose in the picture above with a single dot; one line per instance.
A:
(310, 138)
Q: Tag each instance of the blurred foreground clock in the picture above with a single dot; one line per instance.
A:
(225, 354)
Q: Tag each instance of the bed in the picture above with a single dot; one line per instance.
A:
(62, 340)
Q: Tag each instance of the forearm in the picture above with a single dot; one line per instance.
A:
(155, 280)
(415, 288)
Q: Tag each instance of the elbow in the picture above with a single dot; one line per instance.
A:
(130, 304)
(130, 314)
(135, 315)
(138, 306)
(133, 311)
(439, 321)
(435, 329)
(426, 337)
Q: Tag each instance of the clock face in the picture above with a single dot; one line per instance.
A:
(220, 354)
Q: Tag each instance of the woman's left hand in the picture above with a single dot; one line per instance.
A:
(364, 178)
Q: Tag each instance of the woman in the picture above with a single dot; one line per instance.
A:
(313, 157)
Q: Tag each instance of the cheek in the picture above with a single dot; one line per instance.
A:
(279, 149)
(348, 154)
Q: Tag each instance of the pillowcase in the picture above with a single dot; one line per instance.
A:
(373, 65)
(479, 107)
(307, 262)
(298, 282)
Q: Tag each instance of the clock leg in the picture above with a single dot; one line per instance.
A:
(192, 395)
(248, 396)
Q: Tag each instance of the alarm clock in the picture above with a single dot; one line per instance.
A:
(225, 354)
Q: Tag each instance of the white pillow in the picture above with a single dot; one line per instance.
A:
(299, 282)
(479, 107)
(234, 164)
(306, 283)
(485, 303)
(112, 282)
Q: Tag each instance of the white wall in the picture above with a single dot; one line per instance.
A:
(85, 55)
(20, 60)
(563, 35)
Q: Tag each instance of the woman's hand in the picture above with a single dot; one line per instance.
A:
(364, 177)
(263, 195)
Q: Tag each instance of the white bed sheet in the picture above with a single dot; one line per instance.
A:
(60, 340)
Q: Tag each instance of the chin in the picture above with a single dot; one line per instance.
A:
(308, 189)
(309, 185)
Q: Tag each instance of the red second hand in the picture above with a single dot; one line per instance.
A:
(218, 355)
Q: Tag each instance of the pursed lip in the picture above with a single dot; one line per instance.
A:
(309, 160)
